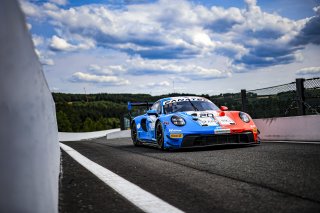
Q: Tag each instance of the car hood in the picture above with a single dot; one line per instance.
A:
(209, 118)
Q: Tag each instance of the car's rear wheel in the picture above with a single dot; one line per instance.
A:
(159, 135)
(134, 135)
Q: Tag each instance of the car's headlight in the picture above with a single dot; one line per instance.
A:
(244, 117)
(178, 121)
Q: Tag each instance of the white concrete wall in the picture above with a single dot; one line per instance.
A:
(78, 136)
(120, 134)
(298, 128)
(29, 153)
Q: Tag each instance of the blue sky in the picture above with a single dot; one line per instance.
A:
(164, 46)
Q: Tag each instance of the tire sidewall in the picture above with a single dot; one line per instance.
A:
(161, 146)
(134, 139)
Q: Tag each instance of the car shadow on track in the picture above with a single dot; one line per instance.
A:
(154, 149)
(216, 147)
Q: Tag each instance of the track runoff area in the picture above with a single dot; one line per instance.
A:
(114, 176)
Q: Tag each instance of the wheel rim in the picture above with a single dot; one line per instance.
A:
(159, 135)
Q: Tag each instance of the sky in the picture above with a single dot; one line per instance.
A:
(165, 46)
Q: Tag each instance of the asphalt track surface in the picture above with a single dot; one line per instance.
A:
(271, 177)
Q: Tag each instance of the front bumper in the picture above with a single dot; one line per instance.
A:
(211, 140)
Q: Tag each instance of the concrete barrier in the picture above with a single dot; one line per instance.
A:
(298, 128)
(120, 134)
(78, 136)
(29, 154)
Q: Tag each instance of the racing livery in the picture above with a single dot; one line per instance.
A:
(181, 122)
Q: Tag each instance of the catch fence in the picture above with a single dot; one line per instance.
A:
(301, 97)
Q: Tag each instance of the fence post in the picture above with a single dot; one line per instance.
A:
(244, 100)
(300, 96)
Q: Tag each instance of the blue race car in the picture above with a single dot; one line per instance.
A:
(181, 122)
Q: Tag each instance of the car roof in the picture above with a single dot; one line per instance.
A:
(180, 97)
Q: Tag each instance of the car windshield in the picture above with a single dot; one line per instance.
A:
(183, 106)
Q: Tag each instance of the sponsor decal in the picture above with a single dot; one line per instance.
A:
(174, 130)
(166, 123)
(222, 131)
(225, 120)
(204, 119)
(152, 122)
(255, 130)
(210, 115)
(201, 115)
(176, 135)
(207, 121)
(183, 99)
(138, 126)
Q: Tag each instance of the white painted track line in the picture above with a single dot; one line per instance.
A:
(136, 195)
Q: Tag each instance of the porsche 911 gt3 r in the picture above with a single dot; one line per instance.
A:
(181, 122)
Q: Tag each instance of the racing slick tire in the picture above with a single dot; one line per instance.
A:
(160, 136)
(134, 135)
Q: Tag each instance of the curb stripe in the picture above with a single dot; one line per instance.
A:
(133, 193)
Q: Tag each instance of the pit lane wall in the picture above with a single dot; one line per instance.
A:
(119, 134)
(297, 128)
(29, 153)
(78, 136)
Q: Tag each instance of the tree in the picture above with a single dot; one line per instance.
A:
(89, 125)
(64, 125)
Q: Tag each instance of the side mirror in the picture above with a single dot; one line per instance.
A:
(152, 112)
(224, 108)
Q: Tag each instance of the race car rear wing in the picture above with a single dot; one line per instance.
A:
(130, 105)
(147, 104)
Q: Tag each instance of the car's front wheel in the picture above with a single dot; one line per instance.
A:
(159, 135)
(134, 135)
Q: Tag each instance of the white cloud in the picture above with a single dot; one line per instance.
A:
(94, 68)
(247, 37)
(139, 66)
(174, 69)
(180, 41)
(317, 10)
(59, 2)
(179, 79)
(29, 26)
(30, 9)
(103, 79)
(252, 5)
(117, 28)
(60, 44)
(54, 89)
(106, 70)
(37, 40)
(162, 36)
(47, 61)
(50, 6)
(313, 71)
(155, 84)
(44, 60)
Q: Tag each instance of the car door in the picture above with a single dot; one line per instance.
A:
(151, 120)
